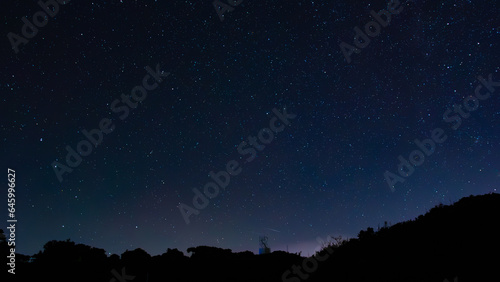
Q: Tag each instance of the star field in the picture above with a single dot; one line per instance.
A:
(323, 174)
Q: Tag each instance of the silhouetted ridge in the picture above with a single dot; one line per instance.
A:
(460, 240)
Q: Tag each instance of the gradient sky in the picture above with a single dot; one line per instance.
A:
(322, 175)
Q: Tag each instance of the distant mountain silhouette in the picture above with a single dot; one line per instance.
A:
(458, 243)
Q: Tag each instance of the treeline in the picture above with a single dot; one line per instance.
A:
(459, 241)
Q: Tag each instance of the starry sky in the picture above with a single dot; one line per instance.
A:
(216, 85)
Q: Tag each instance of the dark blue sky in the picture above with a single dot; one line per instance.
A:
(212, 85)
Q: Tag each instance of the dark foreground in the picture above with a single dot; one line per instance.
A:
(455, 243)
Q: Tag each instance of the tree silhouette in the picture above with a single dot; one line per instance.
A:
(459, 241)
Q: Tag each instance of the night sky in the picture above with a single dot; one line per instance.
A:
(217, 88)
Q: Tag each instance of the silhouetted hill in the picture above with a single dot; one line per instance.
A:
(461, 240)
